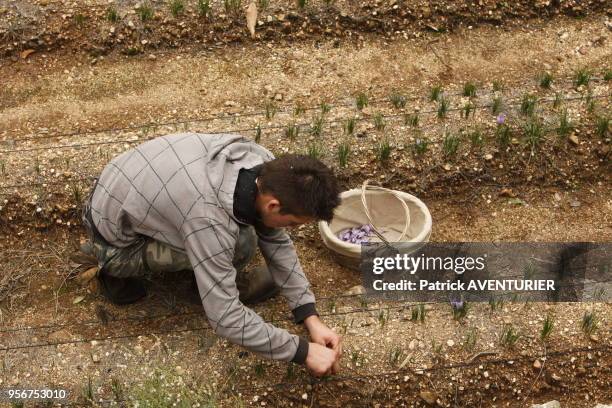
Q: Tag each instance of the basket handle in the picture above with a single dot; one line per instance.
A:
(366, 186)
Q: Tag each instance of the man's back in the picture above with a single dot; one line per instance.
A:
(158, 187)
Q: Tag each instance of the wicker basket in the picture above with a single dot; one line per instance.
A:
(395, 216)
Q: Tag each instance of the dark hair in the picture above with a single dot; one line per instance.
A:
(304, 186)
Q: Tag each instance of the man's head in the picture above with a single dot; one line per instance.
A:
(296, 189)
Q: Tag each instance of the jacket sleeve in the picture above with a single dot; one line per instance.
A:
(284, 265)
(210, 248)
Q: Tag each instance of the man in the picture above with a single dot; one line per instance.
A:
(202, 202)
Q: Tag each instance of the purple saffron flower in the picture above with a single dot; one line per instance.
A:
(457, 304)
(501, 118)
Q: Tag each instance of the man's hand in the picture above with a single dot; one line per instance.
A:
(324, 336)
(320, 359)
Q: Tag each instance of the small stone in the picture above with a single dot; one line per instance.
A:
(575, 203)
(507, 192)
(574, 140)
(355, 290)
(428, 396)
(450, 343)
(304, 396)
(278, 97)
(537, 364)
(413, 344)
(95, 358)
(555, 377)
(447, 167)
(488, 157)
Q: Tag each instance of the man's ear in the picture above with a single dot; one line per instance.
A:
(273, 205)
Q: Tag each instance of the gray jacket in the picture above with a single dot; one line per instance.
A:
(179, 189)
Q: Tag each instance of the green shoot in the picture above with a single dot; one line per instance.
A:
(533, 133)
(411, 120)
(316, 128)
(292, 131)
(259, 369)
(547, 328)
(607, 76)
(270, 110)
(468, 109)
(546, 79)
(590, 323)
(420, 145)
(301, 3)
(298, 109)
(379, 122)
(383, 318)
(418, 313)
(117, 389)
(582, 77)
(450, 144)
(528, 104)
(496, 106)
(565, 125)
(470, 339)
(460, 310)
(557, 101)
(435, 93)
(79, 19)
(398, 100)
(177, 7)
(476, 138)
(502, 135)
(344, 149)
(314, 151)
(590, 102)
(509, 336)
(602, 128)
(361, 100)
(496, 303)
(258, 133)
(497, 86)
(232, 6)
(204, 8)
(349, 126)
(383, 151)
(469, 89)
(325, 108)
(88, 392)
(145, 12)
(112, 15)
(394, 356)
(443, 108)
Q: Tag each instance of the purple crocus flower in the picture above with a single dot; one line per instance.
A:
(501, 118)
(457, 304)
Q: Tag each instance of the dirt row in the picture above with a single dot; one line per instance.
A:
(98, 29)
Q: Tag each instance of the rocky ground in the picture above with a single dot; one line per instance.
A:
(76, 91)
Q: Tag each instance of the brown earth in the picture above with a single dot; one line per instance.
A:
(559, 191)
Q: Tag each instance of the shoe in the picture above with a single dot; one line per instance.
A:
(85, 256)
(121, 291)
(256, 286)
